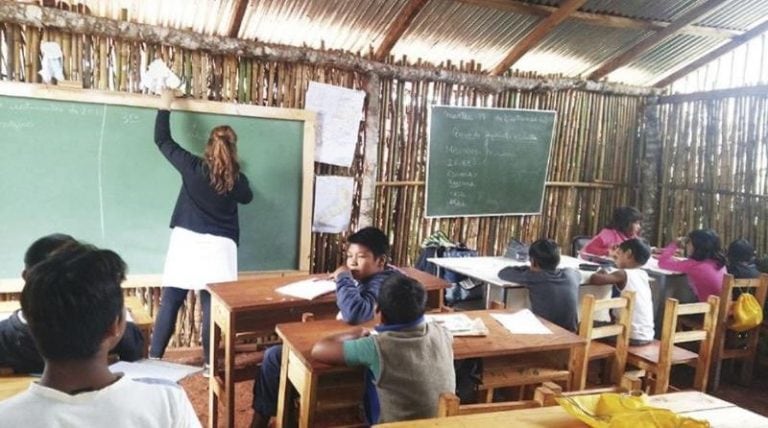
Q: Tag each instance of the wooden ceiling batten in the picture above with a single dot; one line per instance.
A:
(398, 27)
(237, 18)
(647, 43)
(542, 29)
(603, 19)
(717, 52)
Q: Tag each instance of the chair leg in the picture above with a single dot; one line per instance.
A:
(714, 380)
(747, 365)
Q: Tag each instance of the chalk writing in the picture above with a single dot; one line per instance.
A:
(10, 124)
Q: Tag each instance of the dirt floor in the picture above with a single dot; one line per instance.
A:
(754, 397)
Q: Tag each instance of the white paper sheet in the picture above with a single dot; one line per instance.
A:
(154, 369)
(522, 322)
(308, 289)
(339, 112)
(333, 203)
(5, 315)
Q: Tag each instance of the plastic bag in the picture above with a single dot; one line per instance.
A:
(612, 410)
(747, 313)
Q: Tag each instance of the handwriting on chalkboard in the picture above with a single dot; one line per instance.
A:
(487, 161)
(15, 125)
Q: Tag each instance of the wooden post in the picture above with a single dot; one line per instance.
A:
(650, 171)
(371, 161)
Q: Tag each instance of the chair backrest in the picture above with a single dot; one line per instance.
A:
(706, 335)
(548, 391)
(757, 287)
(620, 329)
(578, 243)
(449, 405)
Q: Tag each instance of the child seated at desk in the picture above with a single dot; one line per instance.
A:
(705, 265)
(17, 347)
(411, 361)
(741, 260)
(553, 292)
(625, 225)
(357, 289)
(73, 303)
(630, 257)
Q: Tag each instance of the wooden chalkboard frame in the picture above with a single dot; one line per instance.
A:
(428, 159)
(55, 93)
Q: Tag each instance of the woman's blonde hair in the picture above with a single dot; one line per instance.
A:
(221, 158)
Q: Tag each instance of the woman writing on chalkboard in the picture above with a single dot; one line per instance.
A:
(205, 228)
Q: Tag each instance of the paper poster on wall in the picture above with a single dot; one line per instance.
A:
(339, 111)
(333, 203)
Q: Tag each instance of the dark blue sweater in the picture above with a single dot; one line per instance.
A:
(199, 208)
(357, 300)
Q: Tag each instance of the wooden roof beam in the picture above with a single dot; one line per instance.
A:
(601, 19)
(649, 42)
(717, 52)
(401, 23)
(544, 27)
(237, 18)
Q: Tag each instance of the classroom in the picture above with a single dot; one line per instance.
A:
(561, 203)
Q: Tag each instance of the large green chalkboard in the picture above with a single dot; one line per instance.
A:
(92, 170)
(487, 161)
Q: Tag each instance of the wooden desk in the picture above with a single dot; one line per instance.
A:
(253, 305)
(694, 404)
(300, 371)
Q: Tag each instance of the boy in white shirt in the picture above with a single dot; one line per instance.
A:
(631, 255)
(73, 304)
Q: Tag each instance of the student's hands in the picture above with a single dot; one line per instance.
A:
(340, 269)
(361, 332)
(166, 98)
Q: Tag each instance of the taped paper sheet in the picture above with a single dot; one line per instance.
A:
(339, 111)
(333, 203)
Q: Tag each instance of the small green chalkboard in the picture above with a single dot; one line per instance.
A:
(487, 161)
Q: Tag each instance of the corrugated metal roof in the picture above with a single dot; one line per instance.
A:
(455, 30)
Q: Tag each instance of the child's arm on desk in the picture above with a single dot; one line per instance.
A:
(330, 350)
(618, 277)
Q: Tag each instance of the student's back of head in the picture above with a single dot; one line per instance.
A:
(373, 239)
(44, 247)
(71, 299)
(740, 251)
(705, 245)
(640, 251)
(545, 253)
(402, 300)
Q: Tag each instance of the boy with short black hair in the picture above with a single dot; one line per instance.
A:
(631, 255)
(357, 289)
(73, 303)
(17, 347)
(411, 360)
(553, 292)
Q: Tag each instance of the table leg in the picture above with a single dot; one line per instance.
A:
(283, 395)
(229, 370)
(213, 396)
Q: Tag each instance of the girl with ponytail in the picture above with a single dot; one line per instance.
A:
(205, 227)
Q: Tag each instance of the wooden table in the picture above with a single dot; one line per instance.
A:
(300, 371)
(12, 385)
(253, 305)
(694, 404)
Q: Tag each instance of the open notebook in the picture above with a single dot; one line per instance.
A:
(308, 289)
(460, 324)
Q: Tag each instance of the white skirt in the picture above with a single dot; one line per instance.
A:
(197, 259)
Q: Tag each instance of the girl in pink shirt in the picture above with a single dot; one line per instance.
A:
(625, 225)
(705, 266)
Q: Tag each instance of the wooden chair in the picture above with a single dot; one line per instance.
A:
(596, 350)
(449, 405)
(658, 357)
(722, 351)
(548, 392)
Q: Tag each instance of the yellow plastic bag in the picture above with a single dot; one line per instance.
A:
(747, 313)
(611, 410)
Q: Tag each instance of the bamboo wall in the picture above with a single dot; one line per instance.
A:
(714, 168)
(593, 166)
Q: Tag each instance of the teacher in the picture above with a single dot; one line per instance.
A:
(205, 228)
